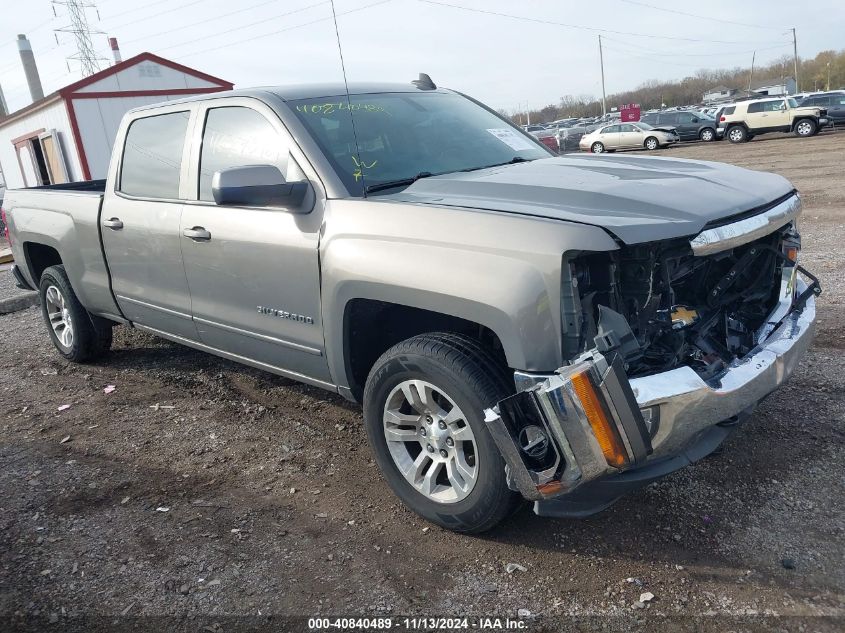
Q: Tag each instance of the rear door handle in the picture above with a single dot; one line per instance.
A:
(115, 224)
(198, 234)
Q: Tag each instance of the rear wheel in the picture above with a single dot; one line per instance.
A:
(651, 143)
(597, 148)
(77, 334)
(423, 411)
(707, 134)
(805, 127)
(737, 134)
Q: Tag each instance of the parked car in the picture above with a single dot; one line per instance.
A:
(515, 324)
(627, 136)
(747, 119)
(547, 137)
(833, 102)
(691, 126)
(534, 127)
(569, 137)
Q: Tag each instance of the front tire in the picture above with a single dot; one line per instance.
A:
(805, 128)
(707, 135)
(423, 411)
(78, 335)
(597, 148)
(651, 143)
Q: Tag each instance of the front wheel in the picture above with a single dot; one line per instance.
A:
(805, 127)
(77, 334)
(597, 148)
(423, 410)
(707, 135)
(651, 143)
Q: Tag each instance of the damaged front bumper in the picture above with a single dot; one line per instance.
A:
(588, 430)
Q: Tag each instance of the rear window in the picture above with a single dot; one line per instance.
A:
(728, 110)
(152, 156)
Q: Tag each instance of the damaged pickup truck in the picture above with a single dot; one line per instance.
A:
(516, 325)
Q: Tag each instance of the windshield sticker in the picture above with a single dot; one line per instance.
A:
(510, 138)
(360, 166)
(330, 108)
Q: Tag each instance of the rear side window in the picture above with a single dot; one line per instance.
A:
(237, 137)
(152, 156)
(755, 107)
(668, 119)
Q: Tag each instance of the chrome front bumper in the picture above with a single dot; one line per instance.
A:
(688, 405)
(682, 408)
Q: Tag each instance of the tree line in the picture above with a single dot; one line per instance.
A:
(812, 73)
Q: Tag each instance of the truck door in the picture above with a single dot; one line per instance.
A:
(140, 223)
(778, 114)
(253, 272)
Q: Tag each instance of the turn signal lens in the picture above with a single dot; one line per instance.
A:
(791, 253)
(604, 430)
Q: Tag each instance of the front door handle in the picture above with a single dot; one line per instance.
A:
(115, 224)
(197, 233)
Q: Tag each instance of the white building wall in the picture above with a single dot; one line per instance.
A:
(148, 75)
(98, 121)
(51, 117)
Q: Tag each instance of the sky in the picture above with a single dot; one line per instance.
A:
(510, 55)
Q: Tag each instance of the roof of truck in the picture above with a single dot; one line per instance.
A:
(303, 91)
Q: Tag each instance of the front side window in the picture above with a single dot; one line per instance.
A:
(686, 117)
(152, 156)
(237, 137)
(774, 106)
(401, 135)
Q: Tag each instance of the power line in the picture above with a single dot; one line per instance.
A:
(146, 6)
(211, 19)
(157, 15)
(245, 26)
(674, 54)
(289, 28)
(581, 27)
(699, 17)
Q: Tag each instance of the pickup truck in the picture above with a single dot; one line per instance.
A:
(516, 325)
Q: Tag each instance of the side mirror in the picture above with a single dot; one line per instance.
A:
(257, 186)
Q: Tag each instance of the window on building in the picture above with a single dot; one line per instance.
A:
(152, 156)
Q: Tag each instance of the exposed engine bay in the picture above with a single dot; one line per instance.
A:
(699, 311)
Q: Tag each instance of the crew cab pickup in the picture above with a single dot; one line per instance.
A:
(515, 324)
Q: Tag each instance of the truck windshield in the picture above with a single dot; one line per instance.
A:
(404, 135)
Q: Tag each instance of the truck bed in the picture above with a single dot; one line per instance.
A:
(85, 186)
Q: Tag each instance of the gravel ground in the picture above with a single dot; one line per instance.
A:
(202, 495)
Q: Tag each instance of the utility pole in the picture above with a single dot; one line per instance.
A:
(795, 60)
(751, 77)
(603, 95)
(827, 87)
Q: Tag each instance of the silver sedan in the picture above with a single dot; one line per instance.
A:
(628, 136)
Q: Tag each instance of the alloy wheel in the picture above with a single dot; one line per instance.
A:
(430, 441)
(59, 317)
(804, 128)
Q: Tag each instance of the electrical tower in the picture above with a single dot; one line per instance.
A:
(85, 54)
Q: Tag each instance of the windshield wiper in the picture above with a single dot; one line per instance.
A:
(402, 182)
(512, 161)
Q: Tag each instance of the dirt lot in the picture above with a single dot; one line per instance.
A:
(206, 492)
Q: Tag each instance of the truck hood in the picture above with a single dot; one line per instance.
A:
(635, 198)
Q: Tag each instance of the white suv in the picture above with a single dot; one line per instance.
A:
(744, 120)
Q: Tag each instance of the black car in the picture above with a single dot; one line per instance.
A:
(691, 126)
(834, 102)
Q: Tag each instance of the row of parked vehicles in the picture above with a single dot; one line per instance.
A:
(738, 122)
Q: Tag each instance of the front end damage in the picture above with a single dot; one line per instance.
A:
(672, 342)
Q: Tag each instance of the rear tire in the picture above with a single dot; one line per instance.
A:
(459, 482)
(737, 134)
(805, 128)
(78, 335)
(597, 148)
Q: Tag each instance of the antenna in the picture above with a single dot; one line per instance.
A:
(85, 55)
(349, 101)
